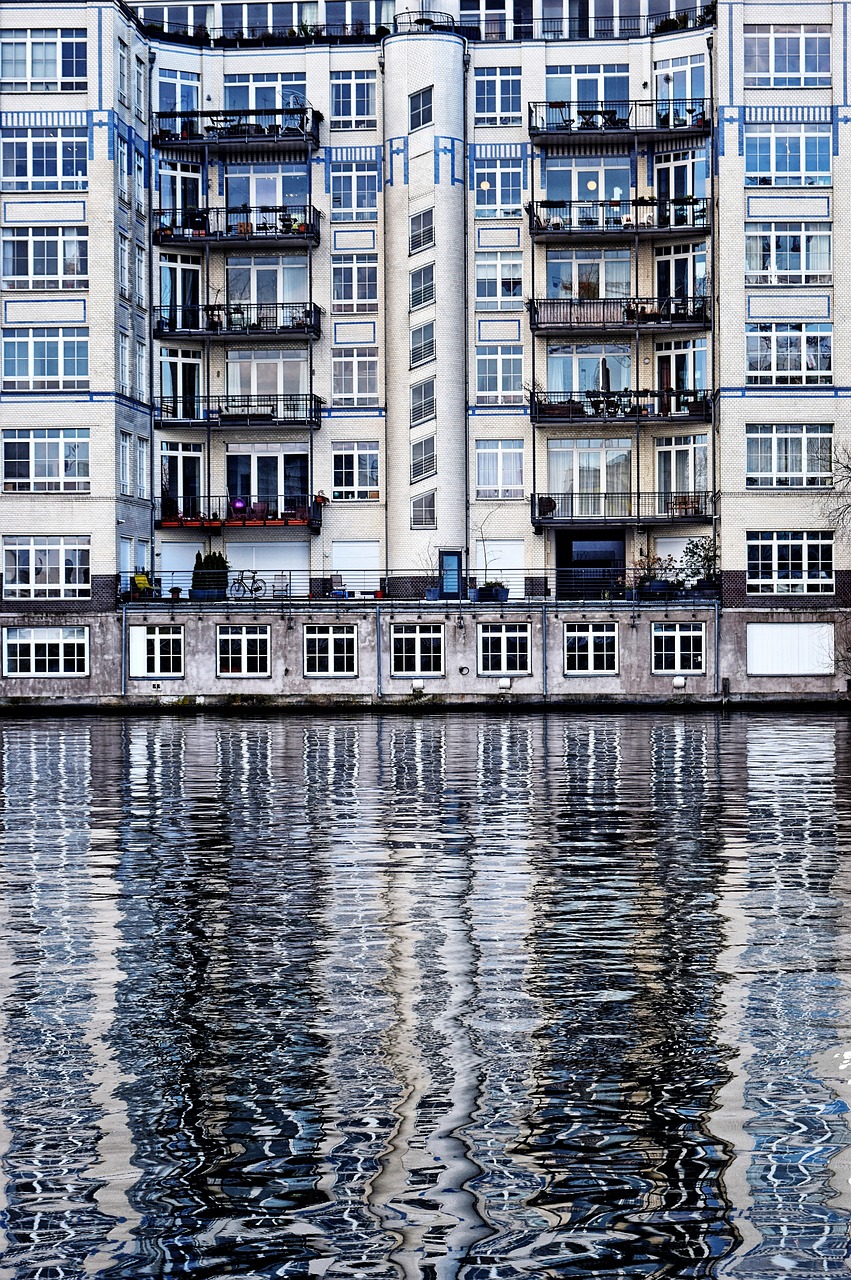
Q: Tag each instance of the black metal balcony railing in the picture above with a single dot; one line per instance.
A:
(561, 315)
(224, 410)
(231, 129)
(268, 223)
(239, 510)
(549, 220)
(240, 319)
(681, 115)
(423, 22)
(577, 508)
(619, 406)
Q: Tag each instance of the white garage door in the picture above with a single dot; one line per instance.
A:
(359, 563)
(790, 648)
(272, 559)
(175, 556)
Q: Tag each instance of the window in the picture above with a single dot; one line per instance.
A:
(139, 274)
(123, 266)
(46, 568)
(141, 370)
(46, 651)
(423, 458)
(423, 405)
(788, 253)
(787, 57)
(354, 282)
(499, 468)
(594, 273)
(681, 471)
(590, 648)
(354, 376)
(155, 651)
(499, 188)
(43, 61)
(416, 649)
(498, 95)
(178, 91)
(790, 563)
(354, 191)
(46, 460)
(125, 463)
(678, 648)
(789, 455)
(139, 182)
(422, 286)
(330, 651)
(123, 364)
(421, 108)
(424, 511)
(143, 467)
(499, 281)
(499, 375)
(353, 100)
(422, 344)
(44, 159)
(787, 155)
(421, 230)
(122, 157)
(355, 469)
(139, 88)
(45, 359)
(123, 73)
(504, 648)
(46, 258)
(243, 651)
(789, 354)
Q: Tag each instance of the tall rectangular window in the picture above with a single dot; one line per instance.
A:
(125, 463)
(499, 468)
(789, 354)
(46, 460)
(790, 563)
(422, 286)
(789, 455)
(123, 364)
(416, 649)
(46, 568)
(499, 281)
(355, 469)
(122, 159)
(139, 88)
(156, 651)
(499, 188)
(243, 651)
(420, 108)
(46, 651)
(123, 74)
(499, 375)
(141, 370)
(354, 191)
(354, 376)
(504, 648)
(143, 467)
(678, 648)
(421, 230)
(331, 650)
(354, 282)
(123, 266)
(590, 648)
(422, 344)
(423, 458)
(423, 401)
(139, 274)
(353, 100)
(139, 182)
(498, 97)
(787, 155)
(788, 253)
(45, 359)
(45, 257)
(424, 511)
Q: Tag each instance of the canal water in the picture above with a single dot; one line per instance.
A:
(452, 996)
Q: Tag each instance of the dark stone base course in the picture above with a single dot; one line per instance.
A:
(734, 594)
(104, 598)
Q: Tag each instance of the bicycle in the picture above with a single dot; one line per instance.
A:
(246, 584)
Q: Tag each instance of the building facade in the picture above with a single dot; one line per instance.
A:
(384, 307)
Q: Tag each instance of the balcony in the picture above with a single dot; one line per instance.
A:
(555, 317)
(241, 133)
(266, 226)
(233, 411)
(553, 223)
(556, 510)
(583, 121)
(223, 511)
(638, 408)
(261, 322)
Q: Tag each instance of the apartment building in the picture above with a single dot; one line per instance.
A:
(386, 305)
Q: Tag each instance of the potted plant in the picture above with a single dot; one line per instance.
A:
(495, 591)
(699, 563)
(209, 577)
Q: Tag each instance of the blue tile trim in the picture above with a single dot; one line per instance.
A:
(397, 147)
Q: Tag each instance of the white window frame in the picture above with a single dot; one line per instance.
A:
(361, 459)
(424, 510)
(139, 94)
(417, 649)
(598, 656)
(32, 347)
(243, 651)
(156, 652)
(141, 369)
(421, 230)
(790, 562)
(45, 652)
(811, 236)
(774, 357)
(423, 401)
(354, 376)
(423, 349)
(54, 151)
(123, 87)
(122, 168)
(139, 274)
(67, 246)
(353, 100)
(789, 455)
(34, 69)
(786, 56)
(770, 149)
(123, 266)
(499, 374)
(421, 108)
(58, 459)
(125, 463)
(425, 464)
(139, 182)
(46, 567)
(508, 651)
(354, 191)
(498, 96)
(499, 187)
(354, 282)
(499, 280)
(421, 286)
(504, 454)
(340, 658)
(678, 648)
(143, 467)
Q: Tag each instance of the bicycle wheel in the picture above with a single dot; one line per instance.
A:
(238, 589)
(259, 587)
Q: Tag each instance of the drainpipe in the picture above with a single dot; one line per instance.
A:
(149, 333)
(466, 204)
(123, 650)
(717, 640)
(544, 647)
(378, 650)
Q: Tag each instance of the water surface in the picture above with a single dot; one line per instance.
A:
(539, 996)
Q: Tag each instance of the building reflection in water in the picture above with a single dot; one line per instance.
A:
(434, 997)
